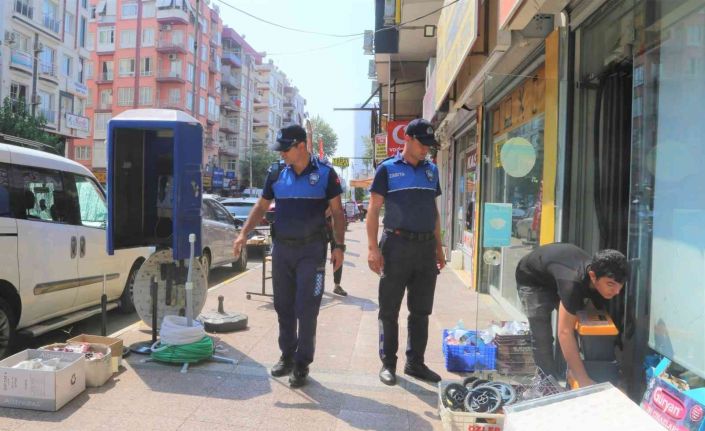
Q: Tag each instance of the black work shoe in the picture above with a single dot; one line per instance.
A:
(283, 367)
(298, 375)
(339, 291)
(387, 376)
(421, 372)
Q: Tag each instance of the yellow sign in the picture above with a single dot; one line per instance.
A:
(380, 146)
(100, 176)
(341, 162)
(457, 32)
(206, 181)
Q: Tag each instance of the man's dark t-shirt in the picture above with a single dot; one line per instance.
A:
(561, 268)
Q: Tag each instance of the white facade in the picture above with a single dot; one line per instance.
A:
(42, 60)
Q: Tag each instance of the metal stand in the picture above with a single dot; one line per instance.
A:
(265, 257)
(145, 347)
(103, 311)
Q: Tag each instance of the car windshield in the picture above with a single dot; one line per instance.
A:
(238, 209)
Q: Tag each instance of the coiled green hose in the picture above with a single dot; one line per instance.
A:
(186, 353)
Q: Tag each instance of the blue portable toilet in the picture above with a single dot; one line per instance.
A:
(154, 180)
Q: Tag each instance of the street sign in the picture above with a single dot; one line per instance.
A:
(380, 146)
(341, 162)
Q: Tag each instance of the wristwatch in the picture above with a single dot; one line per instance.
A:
(341, 247)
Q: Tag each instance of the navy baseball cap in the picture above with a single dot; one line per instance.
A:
(287, 136)
(423, 131)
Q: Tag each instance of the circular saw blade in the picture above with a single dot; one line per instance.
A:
(152, 267)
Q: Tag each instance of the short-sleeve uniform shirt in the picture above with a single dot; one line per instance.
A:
(409, 194)
(301, 200)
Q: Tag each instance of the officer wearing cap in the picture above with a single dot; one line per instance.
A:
(303, 188)
(410, 254)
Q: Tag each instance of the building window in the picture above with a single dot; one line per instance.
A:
(174, 96)
(129, 10)
(106, 38)
(149, 10)
(204, 80)
(18, 92)
(24, 7)
(127, 39)
(87, 69)
(51, 15)
(82, 26)
(177, 37)
(46, 106)
(695, 35)
(69, 23)
(89, 98)
(204, 53)
(191, 42)
(106, 98)
(90, 41)
(146, 96)
(84, 4)
(101, 121)
(127, 67)
(82, 153)
(107, 71)
(146, 68)
(201, 106)
(126, 96)
(189, 100)
(148, 37)
(190, 73)
(47, 61)
(66, 66)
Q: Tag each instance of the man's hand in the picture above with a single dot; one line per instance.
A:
(336, 258)
(238, 244)
(375, 260)
(585, 382)
(440, 257)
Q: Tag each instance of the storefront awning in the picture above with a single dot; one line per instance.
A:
(362, 183)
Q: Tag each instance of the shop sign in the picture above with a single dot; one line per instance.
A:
(77, 122)
(80, 89)
(206, 180)
(396, 130)
(341, 162)
(497, 225)
(507, 9)
(380, 146)
(218, 175)
(457, 32)
(230, 174)
(100, 176)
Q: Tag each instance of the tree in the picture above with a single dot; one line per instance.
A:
(16, 120)
(262, 159)
(321, 129)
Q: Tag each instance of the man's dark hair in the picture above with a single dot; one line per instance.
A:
(610, 263)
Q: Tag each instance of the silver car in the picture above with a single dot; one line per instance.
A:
(219, 230)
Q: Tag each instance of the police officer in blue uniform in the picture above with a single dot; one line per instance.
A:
(303, 188)
(409, 255)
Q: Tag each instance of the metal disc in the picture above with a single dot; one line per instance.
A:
(453, 396)
(509, 394)
(483, 399)
(152, 268)
(213, 321)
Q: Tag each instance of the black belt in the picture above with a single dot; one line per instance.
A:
(411, 236)
(318, 236)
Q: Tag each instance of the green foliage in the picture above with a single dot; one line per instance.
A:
(16, 120)
(359, 194)
(262, 158)
(369, 147)
(321, 129)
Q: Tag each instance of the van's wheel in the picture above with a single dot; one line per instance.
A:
(127, 303)
(7, 328)
(240, 265)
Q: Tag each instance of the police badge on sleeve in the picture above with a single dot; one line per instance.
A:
(429, 175)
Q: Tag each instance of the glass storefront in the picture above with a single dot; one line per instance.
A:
(515, 151)
(465, 158)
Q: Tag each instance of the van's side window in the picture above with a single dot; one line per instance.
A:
(94, 212)
(5, 210)
(40, 195)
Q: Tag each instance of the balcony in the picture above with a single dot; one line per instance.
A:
(177, 104)
(288, 106)
(261, 104)
(213, 67)
(104, 78)
(21, 59)
(231, 103)
(171, 76)
(228, 150)
(105, 48)
(48, 114)
(52, 24)
(172, 15)
(229, 125)
(105, 19)
(48, 70)
(231, 59)
(169, 45)
(104, 107)
(209, 142)
(230, 81)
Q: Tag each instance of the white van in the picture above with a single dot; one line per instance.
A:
(53, 256)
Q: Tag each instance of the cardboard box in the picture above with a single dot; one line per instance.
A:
(98, 371)
(115, 345)
(464, 421)
(672, 408)
(38, 389)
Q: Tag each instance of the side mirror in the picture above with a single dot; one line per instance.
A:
(238, 223)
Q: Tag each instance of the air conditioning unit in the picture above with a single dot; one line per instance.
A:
(173, 57)
(9, 37)
(165, 27)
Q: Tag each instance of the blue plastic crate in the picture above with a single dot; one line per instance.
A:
(467, 357)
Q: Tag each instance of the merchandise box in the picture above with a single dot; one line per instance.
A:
(39, 389)
(673, 408)
(115, 345)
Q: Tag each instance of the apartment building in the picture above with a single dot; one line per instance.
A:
(144, 55)
(268, 103)
(237, 102)
(294, 106)
(43, 56)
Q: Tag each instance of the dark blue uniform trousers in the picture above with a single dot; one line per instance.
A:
(408, 266)
(298, 273)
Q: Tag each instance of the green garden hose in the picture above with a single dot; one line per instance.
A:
(186, 353)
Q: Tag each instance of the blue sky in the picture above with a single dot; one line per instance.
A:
(328, 78)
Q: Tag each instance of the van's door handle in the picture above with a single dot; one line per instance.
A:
(73, 247)
(82, 246)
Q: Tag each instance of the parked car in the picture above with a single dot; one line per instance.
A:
(524, 227)
(218, 232)
(53, 258)
(240, 208)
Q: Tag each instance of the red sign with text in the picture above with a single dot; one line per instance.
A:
(395, 136)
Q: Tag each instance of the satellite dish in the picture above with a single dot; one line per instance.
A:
(175, 293)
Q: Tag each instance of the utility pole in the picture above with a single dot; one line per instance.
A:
(196, 60)
(35, 71)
